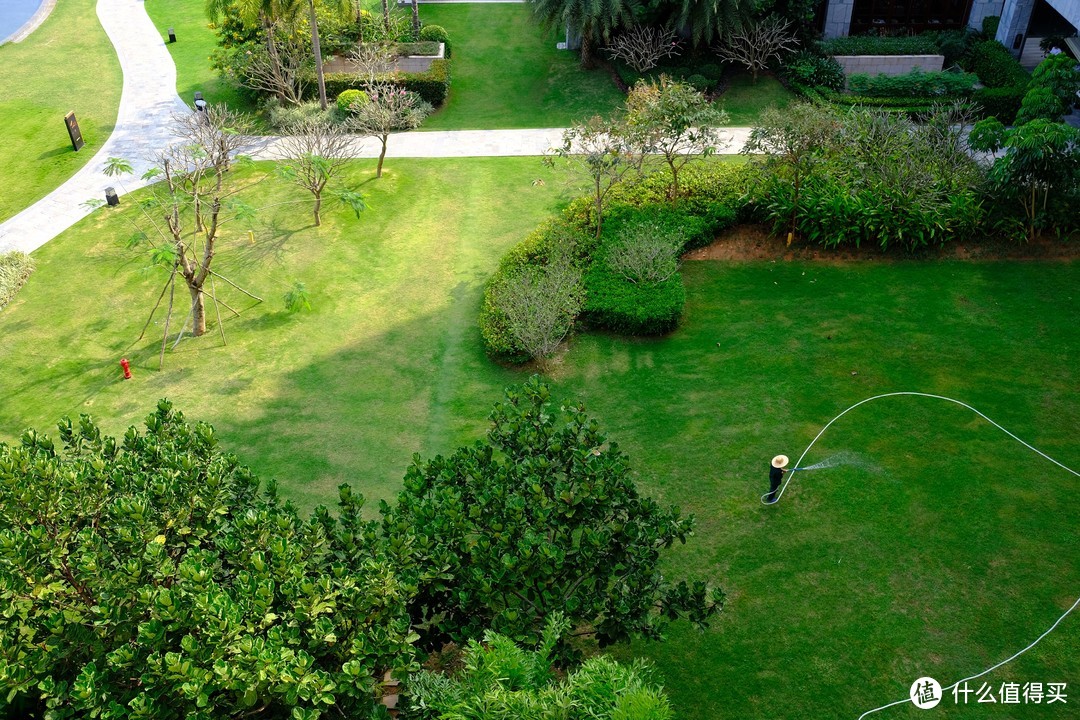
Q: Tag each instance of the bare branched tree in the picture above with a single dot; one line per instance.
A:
(757, 43)
(372, 60)
(389, 108)
(541, 304)
(313, 151)
(646, 253)
(280, 67)
(642, 47)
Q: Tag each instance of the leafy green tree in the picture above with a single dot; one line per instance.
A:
(542, 515)
(150, 578)
(606, 152)
(788, 144)
(593, 20)
(675, 122)
(1040, 169)
(503, 681)
(1058, 74)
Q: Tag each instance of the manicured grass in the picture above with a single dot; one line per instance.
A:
(196, 41)
(949, 549)
(744, 99)
(389, 347)
(507, 72)
(66, 64)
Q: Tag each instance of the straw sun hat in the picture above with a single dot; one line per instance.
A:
(780, 461)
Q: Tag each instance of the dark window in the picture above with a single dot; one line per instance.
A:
(908, 17)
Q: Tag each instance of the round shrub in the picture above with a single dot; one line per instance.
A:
(813, 70)
(699, 82)
(996, 66)
(436, 33)
(350, 98)
(712, 72)
(680, 72)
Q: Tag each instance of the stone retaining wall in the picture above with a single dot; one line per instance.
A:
(889, 64)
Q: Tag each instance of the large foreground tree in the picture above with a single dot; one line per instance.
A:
(151, 578)
(540, 516)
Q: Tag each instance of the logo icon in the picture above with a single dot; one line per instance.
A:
(925, 693)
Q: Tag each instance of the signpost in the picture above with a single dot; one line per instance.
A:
(73, 131)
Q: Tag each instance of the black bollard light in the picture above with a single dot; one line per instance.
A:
(172, 35)
(111, 197)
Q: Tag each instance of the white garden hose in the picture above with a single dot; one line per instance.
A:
(999, 427)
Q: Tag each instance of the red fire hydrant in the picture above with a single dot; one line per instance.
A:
(127, 368)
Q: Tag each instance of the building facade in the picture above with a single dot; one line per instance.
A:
(1019, 18)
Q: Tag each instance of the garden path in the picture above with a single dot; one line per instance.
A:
(142, 127)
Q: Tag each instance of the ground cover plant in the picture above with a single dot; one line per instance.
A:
(509, 74)
(945, 552)
(35, 153)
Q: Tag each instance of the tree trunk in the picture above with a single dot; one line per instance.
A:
(198, 311)
(318, 207)
(586, 51)
(382, 154)
(415, 20)
(317, 49)
(386, 14)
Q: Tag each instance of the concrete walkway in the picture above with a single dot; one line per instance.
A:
(143, 127)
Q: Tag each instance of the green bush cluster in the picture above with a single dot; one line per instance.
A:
(501, 680)
(990, 25)
(555, 238)
(1000, 102)
(349, 98)
(437, 33)
(703, 73)
(432, 86)
(15, 269)
(875, 45)
(808, 68)
(916, 83)
(710, 200)
(996, 66)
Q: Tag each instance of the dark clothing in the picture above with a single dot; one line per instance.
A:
(776, 476)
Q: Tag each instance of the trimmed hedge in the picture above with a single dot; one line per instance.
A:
(432, 86)
(614, 303)
(914, 84)
(996, 66)
(437, 33)
(874, 45)
(1002, 103)
(15, 269)
(554, 237)
(713, 196)
(424, 47)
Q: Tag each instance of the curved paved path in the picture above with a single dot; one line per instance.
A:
(142, 126)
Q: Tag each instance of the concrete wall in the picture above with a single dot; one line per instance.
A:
(1069, 9)
(984, 8)
(838, 18)
(889, 64)
(1014, 21)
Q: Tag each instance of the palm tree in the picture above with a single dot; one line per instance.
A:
(267, 12)
(709, 20)
(595, 20)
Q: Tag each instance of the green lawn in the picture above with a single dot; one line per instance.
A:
(744, 99)
(507, 72)
(949, 549)
(195, 42)
(66, 64)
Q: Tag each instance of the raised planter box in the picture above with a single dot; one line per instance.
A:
(889, 64)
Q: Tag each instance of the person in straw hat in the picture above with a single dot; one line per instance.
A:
(776, 476)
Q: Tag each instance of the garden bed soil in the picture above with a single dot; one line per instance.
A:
(754, 242)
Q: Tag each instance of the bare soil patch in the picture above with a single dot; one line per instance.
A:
(755, 242)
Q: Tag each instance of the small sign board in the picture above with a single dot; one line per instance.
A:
(73, 131)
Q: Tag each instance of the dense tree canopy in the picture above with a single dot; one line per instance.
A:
(151, 578)
(542, 515)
